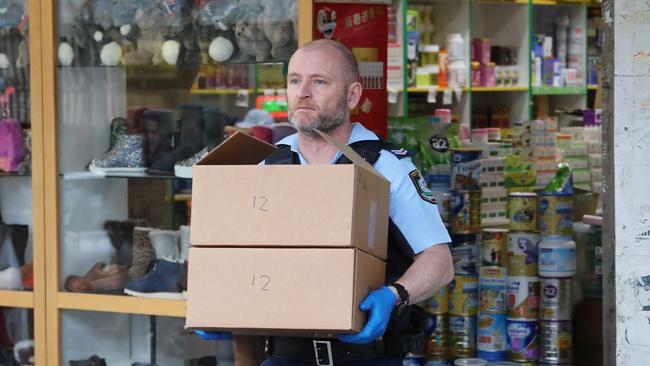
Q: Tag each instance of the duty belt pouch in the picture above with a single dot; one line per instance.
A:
(405, 332)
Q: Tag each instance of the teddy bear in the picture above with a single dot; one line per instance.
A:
(150, 21)
(251, 39)
(278, 28)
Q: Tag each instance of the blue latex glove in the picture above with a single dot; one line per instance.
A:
(213, 336)
(380, 304)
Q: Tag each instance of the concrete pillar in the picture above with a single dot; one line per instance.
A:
(626, 205)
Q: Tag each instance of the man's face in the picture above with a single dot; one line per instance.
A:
(316, 91)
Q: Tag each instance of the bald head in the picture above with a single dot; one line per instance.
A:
(349, 65)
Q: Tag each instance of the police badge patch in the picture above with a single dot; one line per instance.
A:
(421, 186)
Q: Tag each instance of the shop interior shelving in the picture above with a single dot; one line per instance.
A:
(16, 299)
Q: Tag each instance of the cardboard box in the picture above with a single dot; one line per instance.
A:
(238, 203)
(312, 292)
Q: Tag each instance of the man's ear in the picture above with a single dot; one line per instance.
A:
(354, 94)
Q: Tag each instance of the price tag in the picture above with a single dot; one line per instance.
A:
(447, 97)
(432, 96)
(242, 98)
(459, 93)
(392, 95)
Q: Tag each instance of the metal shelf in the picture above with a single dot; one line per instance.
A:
(17, 299)
(563, 90)
(499, 89)
(121, 304)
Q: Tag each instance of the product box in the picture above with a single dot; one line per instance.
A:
(236, 202)
(297, 291)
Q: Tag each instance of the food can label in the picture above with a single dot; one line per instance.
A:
(523, 297)
(522, 254)
(523, 213)
(555, 299)
(438, 303)
(465, 257)
(522, 340)
(491, 336)
(557, 260)
(493, 248)
(463, 295)
(493, 289)
(556, 215)
(555, 342)
(466, 169)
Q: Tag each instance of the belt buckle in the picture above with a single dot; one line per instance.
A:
(323, 353)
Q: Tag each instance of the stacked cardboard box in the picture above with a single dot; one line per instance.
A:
(284, 248)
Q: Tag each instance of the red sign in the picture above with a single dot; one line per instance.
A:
(364, 29)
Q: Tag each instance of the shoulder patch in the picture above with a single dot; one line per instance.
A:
(421, 186)
(400, 153)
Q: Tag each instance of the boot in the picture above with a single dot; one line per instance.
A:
(185, 242)
(213, 135)
(125, 157)
(143, 253)
(191, 142)
(121, 235)
(19, 235)
(163, 281)
(157, 127)
(165, 244)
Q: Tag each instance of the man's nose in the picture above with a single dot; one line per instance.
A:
(305, 90)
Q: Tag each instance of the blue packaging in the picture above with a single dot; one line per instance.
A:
(491, 337)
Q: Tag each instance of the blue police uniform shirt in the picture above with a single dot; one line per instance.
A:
(416, 217)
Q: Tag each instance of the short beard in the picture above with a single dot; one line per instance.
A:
(326, 122)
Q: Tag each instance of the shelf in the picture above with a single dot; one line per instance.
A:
(564, 90)
(426, 90)
(6, 174)
(218, 91)
(121, 304)
(560, 2)
(499, 88)
(16, 299)
(593, 87)
(522, 2)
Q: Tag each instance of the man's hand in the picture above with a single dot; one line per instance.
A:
(380, 304)
(213, 336)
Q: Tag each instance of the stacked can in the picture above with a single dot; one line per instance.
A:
(523, 283)
(437, 328)
(465, 228)
(491, 337)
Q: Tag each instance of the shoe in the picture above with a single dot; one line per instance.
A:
(11, 145)
(183, 169)
(165, 244)
(120, 232)
(19, 236)
(10, 279)
(184, 242)
(191, 139)
(24, 352)
(163, 282)
(92, 361)
(101, 278)
(158, 128)
(143, 253)
(126, 158)
(27, 276)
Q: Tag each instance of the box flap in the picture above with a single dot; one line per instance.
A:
(350, 154)
(238, 149)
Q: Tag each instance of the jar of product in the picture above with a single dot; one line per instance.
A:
(557, 257)
(442, 63)
(476, 73)
(457, 73)
(488, 74)
(444, 114)
(454, 44)
(429, 54)
(422, 77)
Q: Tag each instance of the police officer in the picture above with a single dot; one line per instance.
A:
(322, 89)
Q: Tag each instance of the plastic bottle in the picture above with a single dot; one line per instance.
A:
(557, 257)
(454, 44)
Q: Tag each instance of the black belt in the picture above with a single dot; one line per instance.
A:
(324, 352)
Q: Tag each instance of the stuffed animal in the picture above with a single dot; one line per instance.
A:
(251, 40)
(150, 20)
(277, 28)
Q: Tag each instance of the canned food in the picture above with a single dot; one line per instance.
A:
(555, 342)
(557, 257)
(522, 253)
(492, 289)
(491, 341)
(523, 297)
(464, 251)
(466, 211)
(437, 331)
(523, 211)
(555, 214)
(555, 298)
(431, 362)
(470, 362)
(466, 168)
(522, 340)
(438, 303)
(463, 295)
(413, 360)
(462, 336)
(494, 247)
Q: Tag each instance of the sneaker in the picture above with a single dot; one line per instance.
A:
(183, 169)
(10, 279)
(163, 282)
(92, 361)
(126, 158)
(101, 278)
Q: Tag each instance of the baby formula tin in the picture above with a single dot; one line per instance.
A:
(466, 168)
(466, 211)
(462, 336)
(522, 340)
(470, 362)
(557, 257)
(555, 298)
(494, 247)
(522, 253)
(436, 362)
(465, 253)
(493, 290)
(463, 295)
(437, 330)
(523, 211)
(413, 360)
(491, 343)
(438, 303)
(555, 214)
(555, 342)
(523, 297)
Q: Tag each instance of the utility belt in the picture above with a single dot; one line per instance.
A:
(404, 334)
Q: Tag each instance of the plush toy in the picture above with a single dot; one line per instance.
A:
(65, 53)
(221, 49)
(150, 21)
(219, 13)
(277, 28)
(251, 40)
